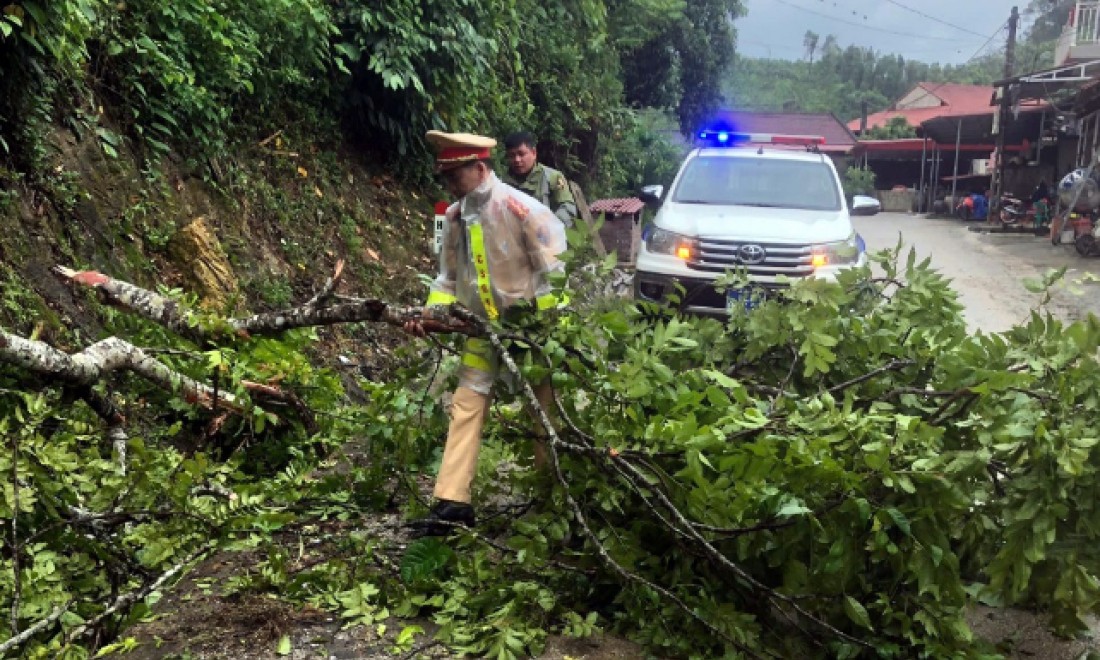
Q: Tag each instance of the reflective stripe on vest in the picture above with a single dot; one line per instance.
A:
(478, 354)
(439, 298)
(481, 265)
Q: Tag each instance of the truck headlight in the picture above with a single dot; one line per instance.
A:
(840, 253)
(662, 241)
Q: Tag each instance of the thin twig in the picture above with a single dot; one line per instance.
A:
(326, 291)
(728, 532)
(134, 596)
(940, 415)
(787, 378)
(739, 572)
(269, 138)
(892, 365)
(898, 391)
(429, 383)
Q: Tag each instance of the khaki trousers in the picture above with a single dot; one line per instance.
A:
(468, 412)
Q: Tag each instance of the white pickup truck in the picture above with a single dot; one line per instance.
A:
(771, 204)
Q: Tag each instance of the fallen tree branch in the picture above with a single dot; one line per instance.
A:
(194, 325)
(96, 361)
(578, 513)
(682, 526)
(153, 306)
(289, 398)
(16, 641)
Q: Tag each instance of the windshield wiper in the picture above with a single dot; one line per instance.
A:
(761, 205)
(695, 201)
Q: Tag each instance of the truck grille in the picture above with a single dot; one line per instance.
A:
(717, 256)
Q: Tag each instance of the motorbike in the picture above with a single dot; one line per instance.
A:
(972, 207)
(1085, 235)
(1013, 210)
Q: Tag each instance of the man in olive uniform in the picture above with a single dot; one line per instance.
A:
(545, 184)
(499, 247)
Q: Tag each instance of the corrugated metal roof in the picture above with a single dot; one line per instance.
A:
(617, 205)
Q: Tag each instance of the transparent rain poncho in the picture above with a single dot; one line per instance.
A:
(499, 245)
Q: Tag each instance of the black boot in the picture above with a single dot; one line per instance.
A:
(442, 520)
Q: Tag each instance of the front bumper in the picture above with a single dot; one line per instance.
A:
(699, 296)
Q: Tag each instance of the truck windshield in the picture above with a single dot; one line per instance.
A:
(767, 182)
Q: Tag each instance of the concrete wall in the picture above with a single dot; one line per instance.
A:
(898, 201)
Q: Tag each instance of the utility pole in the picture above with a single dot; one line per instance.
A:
(1003, 112)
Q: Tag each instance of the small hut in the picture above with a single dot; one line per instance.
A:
(622, 226)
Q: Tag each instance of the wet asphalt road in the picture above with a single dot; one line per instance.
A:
(987, 270)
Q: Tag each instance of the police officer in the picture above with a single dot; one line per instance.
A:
(499, 246)
(545, 184)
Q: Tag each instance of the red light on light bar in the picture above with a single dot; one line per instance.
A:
(804, 140)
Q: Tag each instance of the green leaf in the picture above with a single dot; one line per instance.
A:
(425, 558)
(407, 635)
(857, 613)
(793, 508)
(899, 519)
(284, 647)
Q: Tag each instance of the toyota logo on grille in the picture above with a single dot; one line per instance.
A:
(752, 254)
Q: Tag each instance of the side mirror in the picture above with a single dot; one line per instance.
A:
(651, 195)
(864, 205)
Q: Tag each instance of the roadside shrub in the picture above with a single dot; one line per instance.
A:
(186, 74)
(858, 181)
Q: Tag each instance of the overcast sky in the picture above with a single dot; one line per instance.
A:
(775, 28)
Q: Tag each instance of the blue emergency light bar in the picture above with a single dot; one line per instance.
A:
(724, 138)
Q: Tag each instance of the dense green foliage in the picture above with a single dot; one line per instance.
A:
(198, 78)
(849, 451)
(841, 80)
(894, 129)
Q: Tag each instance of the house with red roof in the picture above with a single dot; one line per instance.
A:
(929, 100)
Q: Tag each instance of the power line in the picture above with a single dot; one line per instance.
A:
(970, 59)
(864, 25)
(932, 18)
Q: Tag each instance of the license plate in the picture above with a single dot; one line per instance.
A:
(743, 299)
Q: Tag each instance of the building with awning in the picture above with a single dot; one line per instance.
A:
(956, 127)
(1069, 127)
(925, 164)
(964, 155)
(954, 142)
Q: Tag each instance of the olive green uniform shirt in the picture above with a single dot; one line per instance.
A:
(550, 187)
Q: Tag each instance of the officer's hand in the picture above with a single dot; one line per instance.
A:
(415, 328)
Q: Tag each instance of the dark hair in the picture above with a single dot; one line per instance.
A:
(518, 139)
